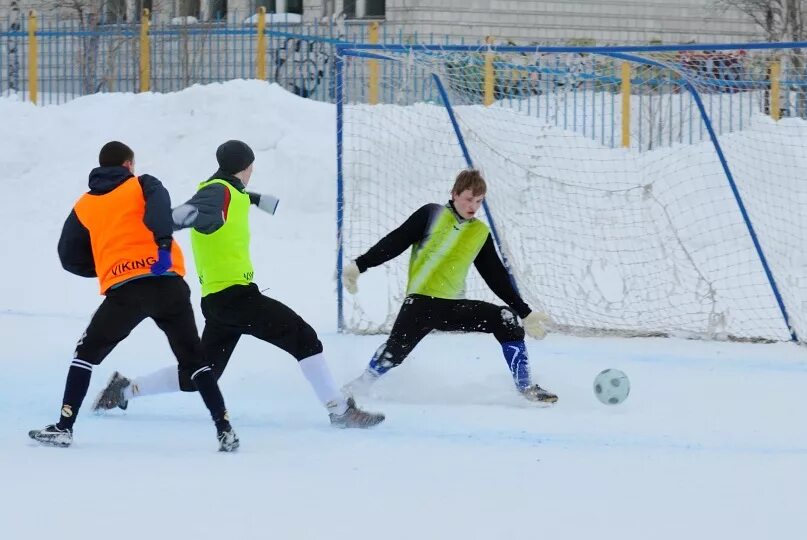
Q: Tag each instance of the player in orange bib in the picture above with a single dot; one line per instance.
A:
(120, 231)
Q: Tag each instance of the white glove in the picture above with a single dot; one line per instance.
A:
(350, 277)
(534, 324)
(184, 216)
(268, 203)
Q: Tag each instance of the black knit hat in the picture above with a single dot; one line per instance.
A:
(234, 157)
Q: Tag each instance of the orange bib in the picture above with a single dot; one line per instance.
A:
(122, 246)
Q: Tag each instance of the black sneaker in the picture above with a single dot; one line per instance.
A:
(52, 436)
(538, 394)
(354, 417)
(228, 440)
(112, 396)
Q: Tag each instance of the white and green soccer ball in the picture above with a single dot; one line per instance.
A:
(611, 386)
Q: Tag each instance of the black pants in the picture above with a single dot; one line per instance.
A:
(242, 309)
(420, 315)
(165, 299)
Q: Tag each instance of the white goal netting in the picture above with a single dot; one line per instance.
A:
(637, 239)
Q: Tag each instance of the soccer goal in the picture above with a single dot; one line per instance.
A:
(632, 191)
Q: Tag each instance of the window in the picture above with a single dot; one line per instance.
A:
(292, 6)
(218, 10)
(189, 8)
(373, 9)
(376, 9)
(115, 12)
(350, 9)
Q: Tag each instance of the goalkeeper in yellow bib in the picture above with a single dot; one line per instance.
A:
(445, 241)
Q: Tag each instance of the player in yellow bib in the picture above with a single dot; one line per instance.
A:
(231, 303)
(445, 241)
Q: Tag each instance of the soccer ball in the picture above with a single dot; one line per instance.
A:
(611, 386)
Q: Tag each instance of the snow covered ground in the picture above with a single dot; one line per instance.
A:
(711, 444)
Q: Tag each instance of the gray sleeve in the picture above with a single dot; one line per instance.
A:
(206, 211)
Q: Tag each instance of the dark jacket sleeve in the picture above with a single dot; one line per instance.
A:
(75, 248)
(396, 242)
(492, 270)
(158, 210)
(207, 209)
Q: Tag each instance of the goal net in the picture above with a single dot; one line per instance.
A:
(634, 192)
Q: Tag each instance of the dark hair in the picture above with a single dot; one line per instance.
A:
(114, 153)
(470, 179)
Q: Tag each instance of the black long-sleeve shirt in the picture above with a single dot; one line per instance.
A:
(414, 229)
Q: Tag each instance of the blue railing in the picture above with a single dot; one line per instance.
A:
(77, 59)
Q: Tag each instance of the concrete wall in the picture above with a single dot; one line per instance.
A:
(671, 21)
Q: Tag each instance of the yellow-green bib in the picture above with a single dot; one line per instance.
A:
(440, 262)
(222, 257)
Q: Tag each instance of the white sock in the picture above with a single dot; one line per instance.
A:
(161, 381)
(319, 377)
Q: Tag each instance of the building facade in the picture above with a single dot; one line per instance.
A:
(519, 21)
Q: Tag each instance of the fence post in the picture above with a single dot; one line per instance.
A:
(145, 52)
(33, 58)
(489, 75)
(774, 101)
(260, 54)
(625, 105)
(372, 92)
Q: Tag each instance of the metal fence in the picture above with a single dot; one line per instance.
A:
(76, 58)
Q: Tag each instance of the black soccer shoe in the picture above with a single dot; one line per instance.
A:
(52, 436)
(228, 440)
(112, 396)
(354, 417)
(538, 394)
